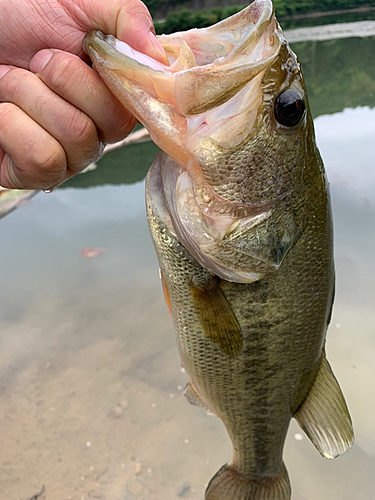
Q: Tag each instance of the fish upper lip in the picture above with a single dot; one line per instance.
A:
(207, 66)
(260, 13)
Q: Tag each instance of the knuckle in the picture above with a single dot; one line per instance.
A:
(81, 128)
(64, 72)
(118, 133)
(49, 161)
(84, 145)
(7, 113)
(14, 84)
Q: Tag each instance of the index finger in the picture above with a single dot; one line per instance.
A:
(70, 78)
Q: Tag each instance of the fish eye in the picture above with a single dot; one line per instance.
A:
(289, 108)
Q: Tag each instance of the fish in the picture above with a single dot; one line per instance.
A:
(239, 211)
(91, 252)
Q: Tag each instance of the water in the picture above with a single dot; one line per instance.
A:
(90, 380)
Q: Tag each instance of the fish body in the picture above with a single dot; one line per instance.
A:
(239, 212)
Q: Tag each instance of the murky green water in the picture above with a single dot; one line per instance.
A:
(90, 381)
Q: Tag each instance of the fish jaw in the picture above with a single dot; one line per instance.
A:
(125, 75)
(207, 68)
(209, 95)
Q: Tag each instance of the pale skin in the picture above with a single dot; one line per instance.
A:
(55, 112)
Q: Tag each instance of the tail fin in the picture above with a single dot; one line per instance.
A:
(229, 484)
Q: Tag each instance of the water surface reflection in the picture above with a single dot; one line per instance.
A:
(91, 401)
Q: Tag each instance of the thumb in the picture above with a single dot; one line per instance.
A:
(127, 20)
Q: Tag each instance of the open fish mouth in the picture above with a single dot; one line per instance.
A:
(207, 93)
(206, 67)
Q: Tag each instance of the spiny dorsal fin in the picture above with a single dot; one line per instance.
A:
(217, 318)
(325, 417)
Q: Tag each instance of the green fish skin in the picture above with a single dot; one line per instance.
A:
(239, 212)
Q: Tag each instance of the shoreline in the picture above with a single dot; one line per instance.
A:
(358, 29)
(309, 15)
(315, 15)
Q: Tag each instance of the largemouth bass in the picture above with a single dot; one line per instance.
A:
(239, 212)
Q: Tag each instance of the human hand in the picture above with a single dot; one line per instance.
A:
(55, 112)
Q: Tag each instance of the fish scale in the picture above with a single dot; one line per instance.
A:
(278, 346)
(239, 212)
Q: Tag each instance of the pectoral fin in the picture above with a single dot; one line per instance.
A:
(217, 318)
(194, 398)
(166, 294)
(325, 417)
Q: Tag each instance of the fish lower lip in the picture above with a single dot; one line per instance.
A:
(101, 35)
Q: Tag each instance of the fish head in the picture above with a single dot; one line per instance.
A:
(229, 109)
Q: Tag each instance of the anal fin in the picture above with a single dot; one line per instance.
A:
(194, 398)
(325, 417)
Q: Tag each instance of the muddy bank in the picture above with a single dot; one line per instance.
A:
(331, 31)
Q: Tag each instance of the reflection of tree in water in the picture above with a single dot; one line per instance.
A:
(339, 73)
(123, 166)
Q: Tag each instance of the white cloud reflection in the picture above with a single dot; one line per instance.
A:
(347, 143)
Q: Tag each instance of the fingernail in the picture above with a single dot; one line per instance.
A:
(4, 70)
(40, 60)
(158, 48)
